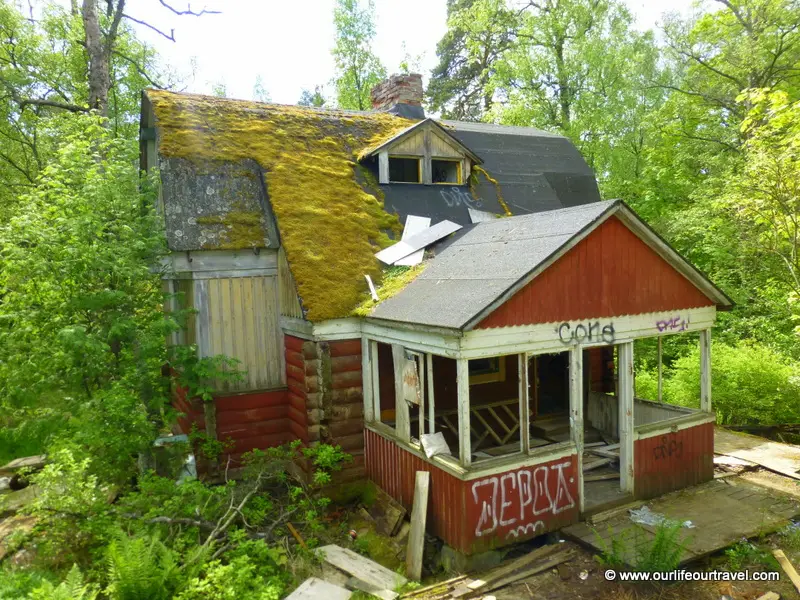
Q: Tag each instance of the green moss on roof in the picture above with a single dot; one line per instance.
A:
(330, 225)
(394, 280)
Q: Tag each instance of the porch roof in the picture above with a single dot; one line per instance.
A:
(487, 263)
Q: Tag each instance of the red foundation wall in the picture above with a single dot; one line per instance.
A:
(671, 461)
(484, 513)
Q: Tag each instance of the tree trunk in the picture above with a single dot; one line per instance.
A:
(99, 77)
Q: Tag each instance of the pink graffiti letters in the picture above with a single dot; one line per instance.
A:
(532, 487)
(673, 324)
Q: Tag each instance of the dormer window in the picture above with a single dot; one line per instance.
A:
(404, 169)
(425, 153)
(446, 170)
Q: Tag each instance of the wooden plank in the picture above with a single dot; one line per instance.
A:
(596, 464)
(431, 400)
(387, 513)
(416, 242)
(356, 584)
(626, 418)
(705, 370)
(367, 386)
(524, 403)
(601, 477)
(769, 596)
(538, 567)
(780, 458)
(434, 586)
(504, 570)
(313, 589)
(413, 226)
(361, 567)
(462, 386)
(576, 412)
(787, 567)
(383, 166)
(402, 424)
(419, 517)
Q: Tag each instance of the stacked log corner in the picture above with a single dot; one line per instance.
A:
(326, 398)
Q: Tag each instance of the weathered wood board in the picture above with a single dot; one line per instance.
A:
(781, 458)
(721, 514)
(361, 568)
(314, 589)
(387, 513)
(419, 514)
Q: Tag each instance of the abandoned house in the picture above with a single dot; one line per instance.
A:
(497, 349)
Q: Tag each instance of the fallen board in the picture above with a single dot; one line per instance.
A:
(416, 242)
(414, 225)
(416, 538)
(361, 567)
(777, 457)
(387, 513)
(357, 584)
(314, 589)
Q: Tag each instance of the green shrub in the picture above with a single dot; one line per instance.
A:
(72, 588)
(663, 554)
(141, 568)
(241, 579)
(750, 383)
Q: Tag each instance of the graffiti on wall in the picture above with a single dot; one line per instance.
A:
(522, 499)
(586, 332)
(673, 324)
(456, 197)
(668, 446)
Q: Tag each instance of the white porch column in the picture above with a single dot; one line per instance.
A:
(431, 401)
(705, 370)
(660, 372)
(375, 381)
(366, 385)
(402, 423)
(576, 409)
(462, 385)
(524, 405)
(626, 420)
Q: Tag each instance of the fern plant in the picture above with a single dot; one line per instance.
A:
(72, 588)
(663, 554)
(140, 568)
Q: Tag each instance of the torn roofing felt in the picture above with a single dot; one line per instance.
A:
(240, 174)
(488, 259)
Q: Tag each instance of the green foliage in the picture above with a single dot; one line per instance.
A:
(614, 549)
(16, 583)
(660, 554)
(140, 568)
(72, 588)
(315, 98)
(358, 70)
(745, 553)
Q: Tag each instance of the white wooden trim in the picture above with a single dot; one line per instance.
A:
(401, 413)
(376, 383)
(431, 400)
(231, 274)
(462, 386)
(660, 372)
(419, 341)
(557, 337)
(199, 261)
(626, 420)
(366, 383)
(576, 410)
(383, 166)
(203, 318)
(338, 329)
(705, 370)
(524, 404)
(672, 425)
(297, 327)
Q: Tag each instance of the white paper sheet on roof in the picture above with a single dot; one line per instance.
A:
(480, 216)
(416, 242)
(414, 225)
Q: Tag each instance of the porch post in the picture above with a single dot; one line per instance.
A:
(705, 370)
(660, 373)
(375, 380)
(524, 406)
(626, 420)
(576, 409)
(401, 412)
(366, 384)
(431, 405)
(462, 385)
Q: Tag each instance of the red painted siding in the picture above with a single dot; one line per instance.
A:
(296, 392)
(608, 274)
(255, 420)
(483, 513)
(672, 461)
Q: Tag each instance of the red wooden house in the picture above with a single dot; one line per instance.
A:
(511, 346)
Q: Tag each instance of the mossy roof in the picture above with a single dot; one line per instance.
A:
(328, 209)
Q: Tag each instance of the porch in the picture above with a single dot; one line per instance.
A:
(523, 443)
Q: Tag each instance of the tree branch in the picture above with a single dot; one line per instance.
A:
(170, 36)
(189, 10)
(139, 69)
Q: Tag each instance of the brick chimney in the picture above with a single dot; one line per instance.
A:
(400, 95)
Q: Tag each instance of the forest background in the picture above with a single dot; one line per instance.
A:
(696, 126)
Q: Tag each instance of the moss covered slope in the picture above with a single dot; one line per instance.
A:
(330, 226)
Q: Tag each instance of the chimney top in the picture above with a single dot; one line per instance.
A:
(400, 95)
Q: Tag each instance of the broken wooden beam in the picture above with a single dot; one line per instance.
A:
(313, 588)
(787, 567)
(419, 515)
(361, 567)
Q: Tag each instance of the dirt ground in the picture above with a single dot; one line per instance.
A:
(566, 584)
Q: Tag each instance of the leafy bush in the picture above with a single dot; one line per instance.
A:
(72, 588)
(663, 554)
(141, 568)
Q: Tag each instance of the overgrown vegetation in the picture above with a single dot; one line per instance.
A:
(659, 554)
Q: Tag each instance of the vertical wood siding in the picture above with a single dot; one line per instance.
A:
(290, 303)
(671, 461)
(484, 513)
(610, 273)
(243, 324)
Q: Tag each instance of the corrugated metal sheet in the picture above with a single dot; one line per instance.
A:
(610, 273)
(243, 324)
(290, 303)
(672, 461)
